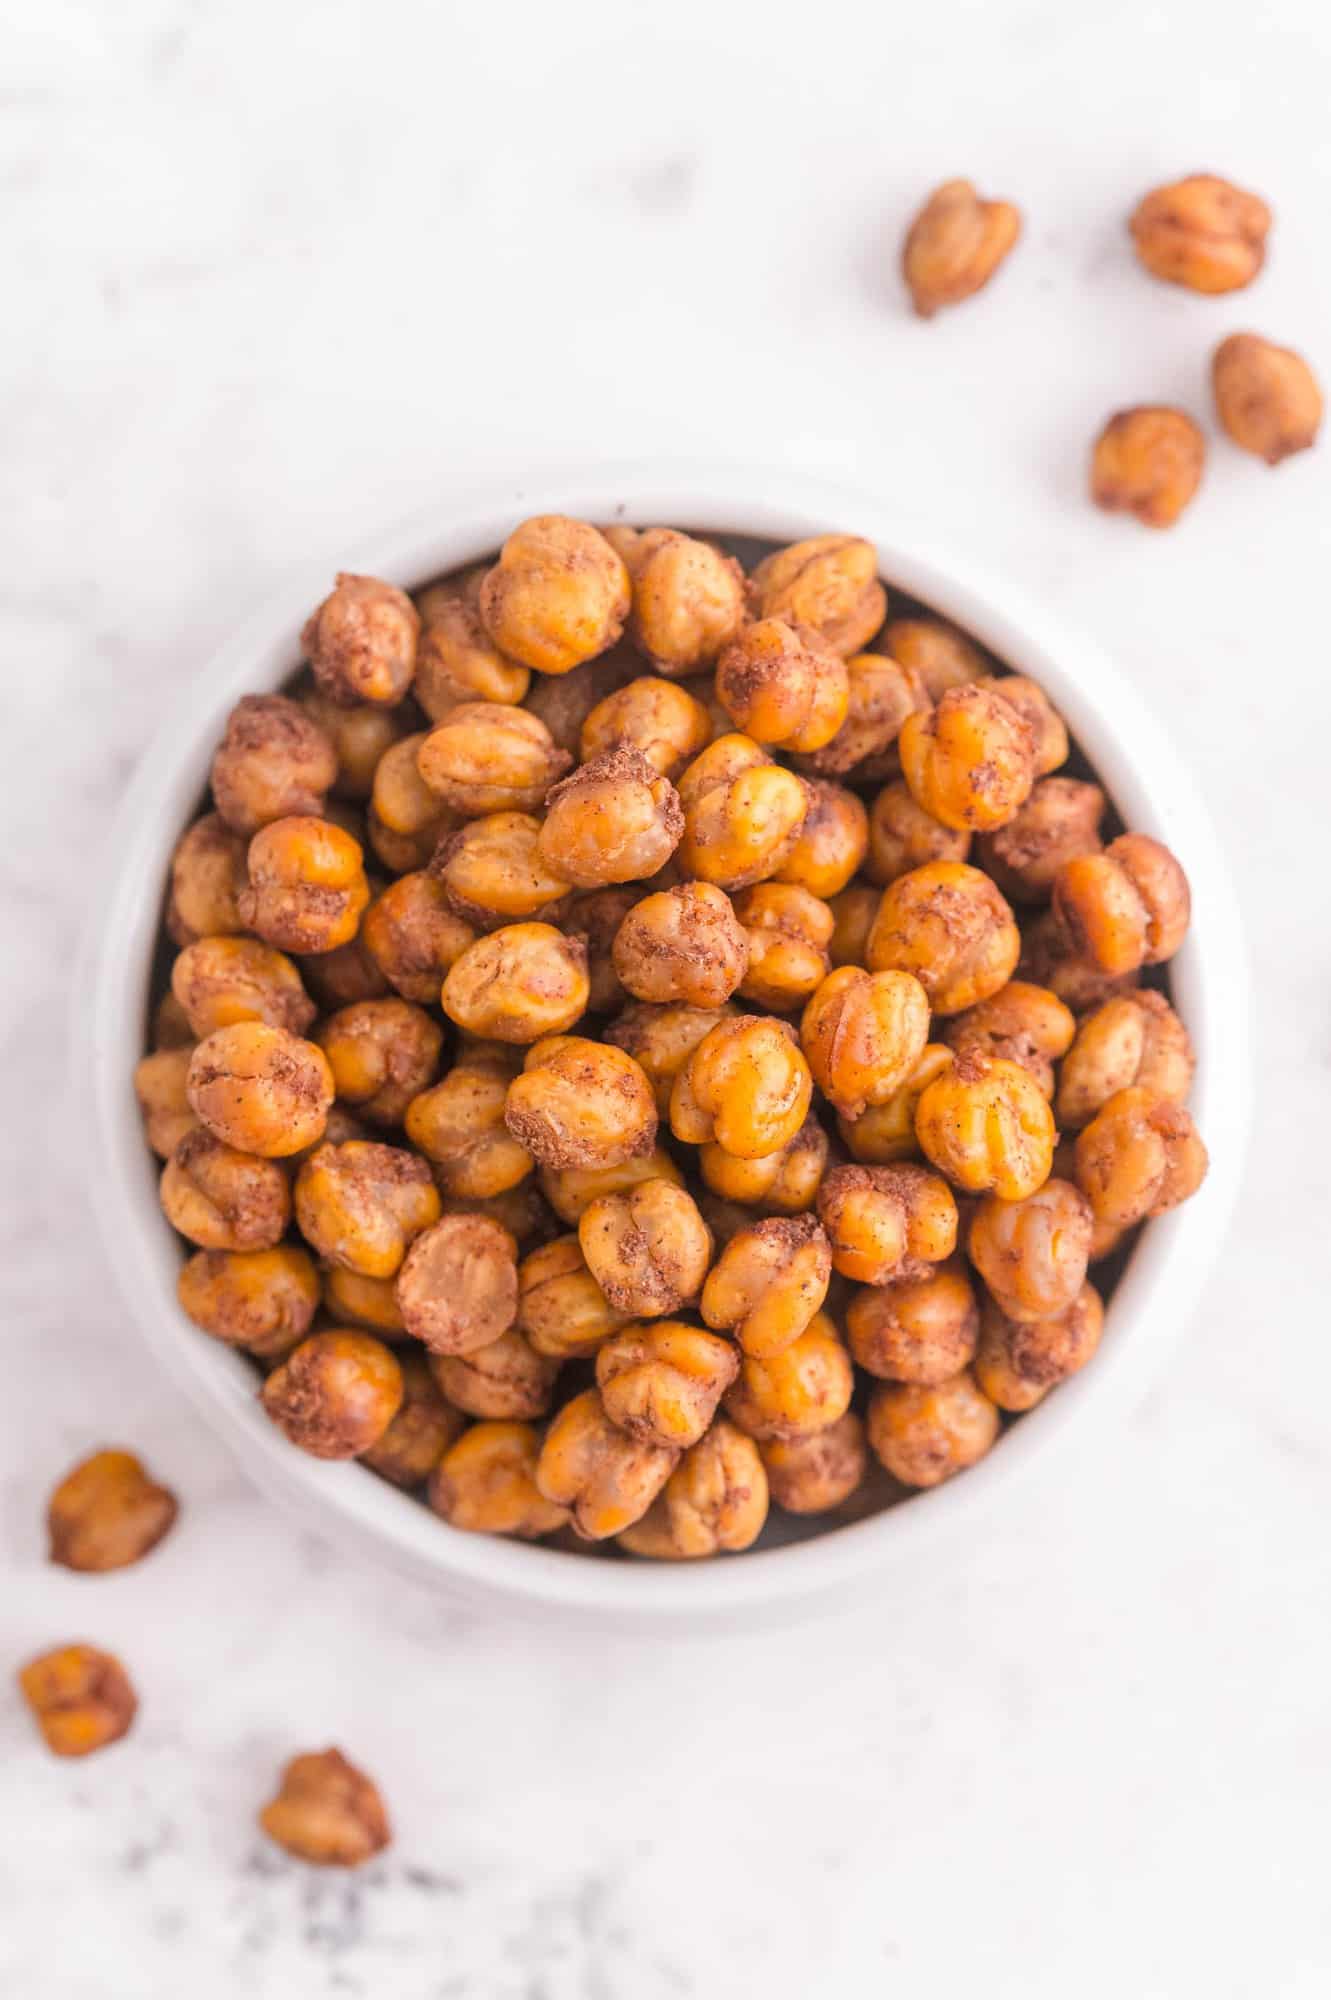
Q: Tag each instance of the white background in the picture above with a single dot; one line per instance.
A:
(275, 276)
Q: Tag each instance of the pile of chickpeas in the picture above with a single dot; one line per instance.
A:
(647, 1043)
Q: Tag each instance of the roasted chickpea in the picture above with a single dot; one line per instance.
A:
(592, 1466)
(170, 1024)
(106, 1513)
(261, 1300)
(647, 1247)
(361, 641)
(920, 1329)
(803, 1389)
(406, 820)
(1049, 732)
(360, 736)
(1147, 461)
(491, 872)
(222, 980)
(581, 1104)
(831, 842)
(273, 760)
(1019, 1361)
(564, 701)
(661, 1384)
(412, 936)
(336, 1394)
(457, 1289)
(742, 813)
(862, 1035)
(1127, 907)
(1136, 1038)
(886, 1222)
(969, 762)
(518, 984)
(769, 1283)
(595, 917)
(1266, 397)
(684, 944)
(782, 686)
(746, 1087)
(522, 1211)
(327, 1812)
(1059, 820)
(662, 1038)
(571, 1190)
(784, 1182)
(488, 757)
(459, 1125)
(661, 720)
(614, 820)
(160, 1084)
(942, 656)
(557, 596)
(1140, 1155)
(222, 1199)
(506, 1380)
(425, 1426)
(948, 925)
(885, 1132)
(382, 1053)
(81, 1699)
(486, 1484)
(207, 876)
(1202, 232)
(456, 660)
(1050, 958)
(307, 888)
(361, 1204)
(1023, 1023)
(340, 978)
(853, 912)
(688, 600)
(814, 1475)
(828, 585)
(350, 1298)
(984, 1123)
(902, 836)
(1032, 1254)
(923, 1433)
(880, 693)
(955, 245)
(787, 933)
(260, 1089)
(561, 1308)
(714, 1500)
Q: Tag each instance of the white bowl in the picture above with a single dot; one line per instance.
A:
(1144, 776)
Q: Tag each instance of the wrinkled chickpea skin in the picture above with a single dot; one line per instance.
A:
(1266, 397)
(661, 720)
(814, 1475)
(937, 652)
(414, 936)
(661, 1384)
(327, 1812)
(222, 1199)
(948, 925)
(425, 1426)
(742, 813)
(259, 1300)
(746, 1088)
(880, 693)
(457, 662)
(273, 760)
(361, 641)
(803, 1389)
(1018, 1362)
(1139, 1156)
(688, 600)
(784, 1182)
(885, 1132)
(684, 944)
(786, 930)
(561, 1308)
(485, 1484)
(571, 1190)
(970, 762)
(488, 757)
(307, 889)
(828, 585)
(886, 1222)
(647, 1248)
(1060, 820)
(902, 836)
(491, 872)
(925, 1433)
(955, 245)
(714, 1501)
(221, 980)
(862, 1034)
(457, 1289)
(361, 1204)
(985, 1125)
(1148, 461)
(518, 984)
(783, 686)
(80, 1698)
(662, 1037)
(1127, 907)
(1202, 232)
(605, 1478)
(260, 1089)
(1023, 1023)
(616, 819)
(106, 1513)
(921, 1329)
(160, 1084)
(207, 877)
(1033, 1253)
(336, 1394)
(582, 1104)
(557, 596)
(381, 1053)
(459, 1126)
(769, 1282)
(831, 843)
(1134, 1038)
(507, 1380)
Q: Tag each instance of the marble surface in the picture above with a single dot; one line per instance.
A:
(278, 276)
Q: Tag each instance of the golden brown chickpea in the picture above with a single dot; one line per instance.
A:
(1136, 1038)
(787, 932)
(307, 889)
(406, 821)
(557, 596)
(222, 980)
(853, 912)
(459, 1126)
(361, 641)
(261, 1300)
(1127, 907)
(746, 1088)
(486, 1484)
(207, 876)
(81, 1699)
(862, 1035)
(1033, 1254)
(382, 1053)
(160, 1082)
(580, 1103)
(592, 1466)
(803, 1389)
(885, 1132)
(1023, 1023)
(413, 937)
(662, 1038)
(350, 1298)
(491, 872)
(1147, 461)
(742, 813)
(456, 661)
(1059, 820)
(564, 701)
(1049, 958)
(661, 1384)
(457, 1289)
(831, 843)
(359, 735)
(948, 925)
(828, 585)
(1019, 1361)
(595, 917)
(614, 820)
(814, 1475)
(885, 1223)
(984, 1124)
(659, 719)
(273, 760)
(921, 1329)
(1049, 733)
(924, 1433)
(969, 762)
(170, 1024)
(902, 836)
(942, 656)
(336, 1394)
(487, 757)
(327, 1812)
(881, 692)
(260, 1089)
(784, 1182)
(507, 1380)
(1266, 397)
(688, 600)
(1140, 1155)
(522, 1211)
(714, 1500)
(782, 686)
(955, 245)
(769, 1283)
(361, 1204)
(684, 944)
(571, 1190)
(222, 1199)
(106, 1513)
(1202, 232)
(342, 977)
(647, 1248)
(561, 1308)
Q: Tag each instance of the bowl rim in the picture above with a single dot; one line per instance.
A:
(1157, 1291)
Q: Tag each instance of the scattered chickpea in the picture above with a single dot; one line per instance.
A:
(590, 1465)
(485, 1484)
(507, 1380)
(862, 1034)
(684, 944)
(742, 813)
(360, 736)
(1202, 232)
(491, 872)
(1060, 820)
(361, 641)
(828, 585)
(106, 1513)
(902, 836)
(1023, 1023)
(207, 876)
(769, 1283)
(1140, 1155)
(414, 937)
(382, 1053)
(1135, 1038)
(273, 760)
(1032, 1254)
(222, 980)
(307, 888)
(920, 1329)
(785, 1181)
(361, 1205)
(571, 1190)
(955, 245)
(948, 925)
(715, 1500)
(942, 656)
(457, 1289)
(458, 1124)
(803, 1389)
(406, 820)
(814, 1475)
(660, 719)
(688, 600)
(969, 762)
(661, 1384)
(1148, 461)
(885, 1132)
(81, 1699)
(327, 1812)
(985, 1124)
(924, 1433)
(260, 1089)
(616, 819)
(561, 1308)
(350, 1298)
(222, 1199)
(557, 596)
(1127, 907)
(746, 1087)
(457, 661)
(160, 1084)
(1266, 397)
(880, 693)
(261, 1300)
(1019, 1361)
